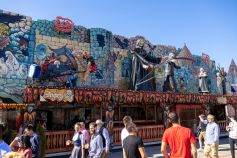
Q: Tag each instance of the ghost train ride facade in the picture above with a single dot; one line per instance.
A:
(66, 73)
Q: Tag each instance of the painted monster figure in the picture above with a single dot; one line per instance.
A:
(142, 68)
(170, 65)
(60, 67)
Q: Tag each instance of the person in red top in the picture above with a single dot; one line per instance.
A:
(180, 139)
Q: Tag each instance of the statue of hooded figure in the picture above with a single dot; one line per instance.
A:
(142, 68)
(219, 83)
(203, 86)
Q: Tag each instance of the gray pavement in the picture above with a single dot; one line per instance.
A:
(153, 151)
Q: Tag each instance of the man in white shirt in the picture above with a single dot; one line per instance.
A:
(232, 129)
(4, 147)
(126, 120)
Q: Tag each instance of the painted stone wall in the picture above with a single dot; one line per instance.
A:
(15, 54)
(24, 42)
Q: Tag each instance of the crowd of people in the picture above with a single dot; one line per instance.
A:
(93, 144)
(181, 140)
(97, 142)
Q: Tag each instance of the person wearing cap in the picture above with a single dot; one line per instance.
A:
(232, 129)
(212, 137)
(105, 136)
(124, 133)
(181, 140)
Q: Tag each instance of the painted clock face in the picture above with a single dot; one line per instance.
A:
(41, 50)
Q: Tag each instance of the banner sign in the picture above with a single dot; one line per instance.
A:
(59, 95)
(97, 96)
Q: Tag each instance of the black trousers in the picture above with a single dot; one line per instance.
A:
(232, 146)
(170, 84)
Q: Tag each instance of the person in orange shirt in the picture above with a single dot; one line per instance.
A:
(180, 139)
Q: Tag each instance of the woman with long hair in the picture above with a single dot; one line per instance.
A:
(21, 147)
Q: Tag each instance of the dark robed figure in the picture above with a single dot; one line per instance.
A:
(142, 68)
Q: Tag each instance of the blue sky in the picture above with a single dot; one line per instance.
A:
(208, 26)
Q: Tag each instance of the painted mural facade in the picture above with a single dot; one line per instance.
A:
(15, 54)
(58, 51)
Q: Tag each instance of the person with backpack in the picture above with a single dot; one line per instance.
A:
(232, 129)
(78, 141)
(105, 137)
(202, 130)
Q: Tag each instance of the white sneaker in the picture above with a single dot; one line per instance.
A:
(199, 150)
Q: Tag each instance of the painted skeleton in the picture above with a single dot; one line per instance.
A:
(11, 62)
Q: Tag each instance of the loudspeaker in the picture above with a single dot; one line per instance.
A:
(34, 71)
(233, 88)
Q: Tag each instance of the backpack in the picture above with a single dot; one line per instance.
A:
(101, 134)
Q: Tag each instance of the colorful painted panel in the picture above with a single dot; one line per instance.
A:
(61, 56)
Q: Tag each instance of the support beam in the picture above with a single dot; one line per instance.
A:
(146, 112)
(155, 107)
(119, 114)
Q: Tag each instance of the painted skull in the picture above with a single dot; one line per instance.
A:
(140, 43)
(171, 56)
(201, 70)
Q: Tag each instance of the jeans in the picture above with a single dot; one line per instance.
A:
(232, 146)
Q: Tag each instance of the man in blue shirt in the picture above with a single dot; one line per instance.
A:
(212, 138)
(96, 143)
(35, 141)
(4, 147)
